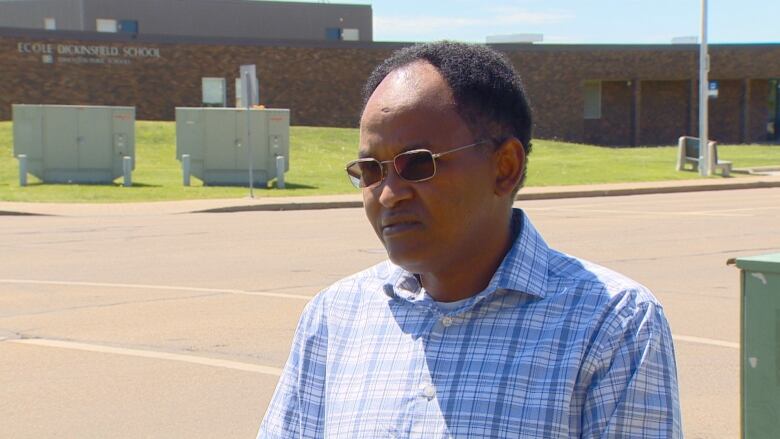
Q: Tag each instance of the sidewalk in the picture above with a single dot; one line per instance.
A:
(355, 200)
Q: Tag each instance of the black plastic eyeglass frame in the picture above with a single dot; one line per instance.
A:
(358, 182)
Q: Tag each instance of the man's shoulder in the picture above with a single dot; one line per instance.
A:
(598, 282)
(360, 286)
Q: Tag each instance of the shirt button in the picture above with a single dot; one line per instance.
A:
(446, 321)
(429, 391)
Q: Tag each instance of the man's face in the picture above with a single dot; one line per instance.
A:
(426, 226)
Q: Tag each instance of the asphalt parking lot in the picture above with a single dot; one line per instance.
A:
(164, 325)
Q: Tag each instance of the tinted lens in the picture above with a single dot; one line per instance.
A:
(364, 173)
(415, 165)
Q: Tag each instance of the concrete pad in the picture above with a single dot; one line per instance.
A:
(354, 200)
(242, 328)
(74, 394)
(709, 389)
(183, 284)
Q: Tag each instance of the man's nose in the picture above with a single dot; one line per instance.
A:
(393, 189)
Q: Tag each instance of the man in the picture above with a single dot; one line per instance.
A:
(474, 327)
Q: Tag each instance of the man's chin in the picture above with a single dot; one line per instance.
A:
(410, 261)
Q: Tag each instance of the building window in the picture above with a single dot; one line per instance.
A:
(106, 25)
(592, 99)
(333, 33)
(342, 34)
(49, 23)
(350, 34)
(128, 26)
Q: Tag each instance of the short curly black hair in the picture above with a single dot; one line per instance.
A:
(488, 92)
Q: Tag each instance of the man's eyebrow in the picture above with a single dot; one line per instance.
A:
(416, 145)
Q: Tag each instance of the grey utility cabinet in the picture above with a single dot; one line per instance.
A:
(215, 140)
(74, 144)
(760, 363)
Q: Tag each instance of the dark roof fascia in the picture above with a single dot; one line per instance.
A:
(286, 3)
(192, 40)
(628, 47)
(310, 4)
(379, 45)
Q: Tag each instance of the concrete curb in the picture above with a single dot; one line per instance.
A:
(528, 194)
(647, 190)
(278, 207)
(355, 201)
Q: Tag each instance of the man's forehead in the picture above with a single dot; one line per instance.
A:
(418, 83)
(405, 95)
(411, 108)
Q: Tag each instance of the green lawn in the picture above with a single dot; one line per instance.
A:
(317, 157)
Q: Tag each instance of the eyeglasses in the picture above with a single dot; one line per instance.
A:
(414, 166)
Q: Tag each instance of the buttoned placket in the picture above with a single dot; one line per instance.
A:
(439, 324)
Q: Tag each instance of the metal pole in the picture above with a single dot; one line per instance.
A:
(186, 169)
(22, 169)
(248, 104)
(704, 67)
(280, 171)
(127, 170)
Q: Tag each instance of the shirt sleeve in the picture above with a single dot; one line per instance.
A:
(297, 407)
(633, 391)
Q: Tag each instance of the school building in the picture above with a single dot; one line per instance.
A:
(618, 95)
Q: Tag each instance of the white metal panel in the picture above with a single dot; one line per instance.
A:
(123, 121)
(224, 157)
(214, 92)
(96, 140)
(278, 136)
(60, 138)
(189, 133)
(222, 141)
(259, 126)
(28, 131)
(66, 143)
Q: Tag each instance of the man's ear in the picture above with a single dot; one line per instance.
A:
(510, 161)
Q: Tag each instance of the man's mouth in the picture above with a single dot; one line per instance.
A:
(397, 227)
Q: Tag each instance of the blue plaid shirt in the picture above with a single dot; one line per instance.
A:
(553, 347)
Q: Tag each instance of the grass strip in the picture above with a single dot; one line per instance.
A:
(318, 155)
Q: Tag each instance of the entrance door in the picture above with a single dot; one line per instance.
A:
(777, 109)
(773, 124)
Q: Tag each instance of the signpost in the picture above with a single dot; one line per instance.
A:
(249, 97)
(704, 67)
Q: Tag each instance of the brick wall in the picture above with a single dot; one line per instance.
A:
(664, 112)
(724, 120)
(758, 115)
(615, 125)
(321, 86)
(320, 82)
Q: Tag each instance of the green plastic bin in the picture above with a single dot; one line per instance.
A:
(760, 353)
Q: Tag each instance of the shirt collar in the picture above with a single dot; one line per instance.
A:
(523, 269)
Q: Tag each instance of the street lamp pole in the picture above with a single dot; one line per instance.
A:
(704, 67)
